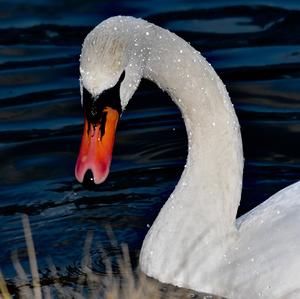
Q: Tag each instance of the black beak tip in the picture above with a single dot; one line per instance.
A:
(88, 181)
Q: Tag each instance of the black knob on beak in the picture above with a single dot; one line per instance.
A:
(88, 181)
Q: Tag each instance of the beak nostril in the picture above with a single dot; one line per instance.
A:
(88, 181)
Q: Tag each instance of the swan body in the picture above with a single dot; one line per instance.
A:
(196, 241)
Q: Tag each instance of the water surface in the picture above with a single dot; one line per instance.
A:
(253, 45)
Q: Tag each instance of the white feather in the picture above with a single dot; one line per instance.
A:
(196, 241)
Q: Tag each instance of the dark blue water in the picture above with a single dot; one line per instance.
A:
(255, 48)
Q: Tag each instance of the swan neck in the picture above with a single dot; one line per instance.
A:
(212, 177)
(197, 223)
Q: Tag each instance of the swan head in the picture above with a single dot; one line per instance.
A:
(109, 75)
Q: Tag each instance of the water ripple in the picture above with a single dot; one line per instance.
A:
(254, 48)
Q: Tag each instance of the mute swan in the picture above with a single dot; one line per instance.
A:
(196, 241)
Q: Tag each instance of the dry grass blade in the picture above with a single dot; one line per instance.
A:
(32, 258)
(3, 288)
(22, 281)
(46, 292)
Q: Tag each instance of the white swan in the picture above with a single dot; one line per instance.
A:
(196, 241)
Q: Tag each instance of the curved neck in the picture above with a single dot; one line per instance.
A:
(213, 172)
(202, 209)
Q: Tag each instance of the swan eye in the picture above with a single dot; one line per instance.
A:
(90, 107)
(94, 105)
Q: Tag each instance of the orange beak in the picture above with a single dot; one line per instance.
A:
(96, 147)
